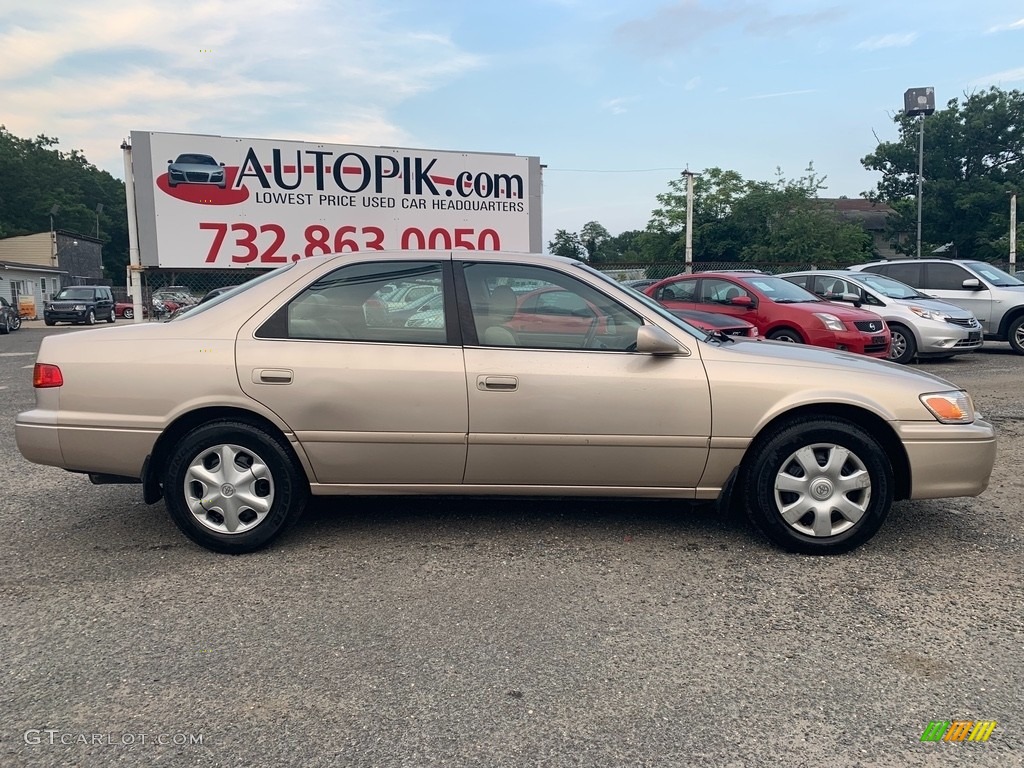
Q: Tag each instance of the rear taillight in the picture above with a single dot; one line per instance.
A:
(45, 375)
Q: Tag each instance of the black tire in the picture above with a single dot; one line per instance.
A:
(5, 326)
(787, 335)
(128, 313)
(782, 482)
(16, 322)
(904, 346)
(90, 319)
(264, 471)
(1015, 335)
(111, 317)
(50, 322)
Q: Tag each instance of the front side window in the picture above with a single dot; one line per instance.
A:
(946, 277)
(522, 306)
(714, 290)
(384, 302)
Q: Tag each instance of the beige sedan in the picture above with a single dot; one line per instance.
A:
(537, 376)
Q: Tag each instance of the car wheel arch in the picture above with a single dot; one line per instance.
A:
(163, 448)
(1008, 320)
(867, 420)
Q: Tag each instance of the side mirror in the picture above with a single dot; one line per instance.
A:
(973, 284)
(743, 301)
(652, 340)
(854, 298)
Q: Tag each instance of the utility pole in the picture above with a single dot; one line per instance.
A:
(689, 219)
(1013, 233)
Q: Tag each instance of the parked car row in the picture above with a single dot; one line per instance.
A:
(901, 309)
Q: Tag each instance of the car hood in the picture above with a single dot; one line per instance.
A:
(803, 356)
(936, 305)
(842, 311)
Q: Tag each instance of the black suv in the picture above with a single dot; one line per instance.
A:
(10, 320)
(80, 304)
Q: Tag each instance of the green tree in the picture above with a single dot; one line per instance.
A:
(973, 152)
(595, 239)
(567, 244)
(35, 176)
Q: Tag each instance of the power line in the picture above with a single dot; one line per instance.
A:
(610, 170)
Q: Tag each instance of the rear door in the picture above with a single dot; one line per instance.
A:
(371, 398)
(569, 404)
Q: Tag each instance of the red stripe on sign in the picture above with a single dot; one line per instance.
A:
(442, 180)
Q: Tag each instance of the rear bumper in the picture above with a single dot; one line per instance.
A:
(948, 460)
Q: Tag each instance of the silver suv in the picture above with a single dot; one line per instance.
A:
(921, 326)
(995, 297)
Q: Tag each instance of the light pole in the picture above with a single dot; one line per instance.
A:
(1013, 232)
(689, 219)
(53, 237)
(919, 101)
(99, 210)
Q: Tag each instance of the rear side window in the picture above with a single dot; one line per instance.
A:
(905, 273)
(384, 302)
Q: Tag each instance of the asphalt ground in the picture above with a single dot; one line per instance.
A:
(481, 632)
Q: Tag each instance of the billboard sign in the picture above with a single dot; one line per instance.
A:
(222, 202)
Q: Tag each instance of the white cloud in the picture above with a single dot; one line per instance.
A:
(692, 83)
(887, 41)
(210, 67)
(1006, 76)
(1019, 24)
(781, 93)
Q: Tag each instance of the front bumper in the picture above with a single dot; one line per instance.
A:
(948, 460)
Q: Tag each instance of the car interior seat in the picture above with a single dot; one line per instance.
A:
(732, 293)
(501, 307)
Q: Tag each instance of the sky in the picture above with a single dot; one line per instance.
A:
(615, 98)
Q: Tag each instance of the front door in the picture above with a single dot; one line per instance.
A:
(559, 399)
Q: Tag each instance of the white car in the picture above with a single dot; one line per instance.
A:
(921, 326)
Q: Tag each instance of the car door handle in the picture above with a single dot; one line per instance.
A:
(497, 383)
(272, 376)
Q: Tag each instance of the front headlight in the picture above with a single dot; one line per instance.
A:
(831, 322)
(79, 307)
(949, 407)
(929, 314)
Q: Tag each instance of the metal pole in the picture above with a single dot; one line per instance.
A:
(920, 180)
(689, 220)
(1013, 233)
(134, 265)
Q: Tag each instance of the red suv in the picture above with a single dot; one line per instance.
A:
(781, 310)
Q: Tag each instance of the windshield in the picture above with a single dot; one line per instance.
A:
(196, 160)
(995, 275)
(220, 298)
(781, 291)
(648, 302)
(75, 293)
(886, 286)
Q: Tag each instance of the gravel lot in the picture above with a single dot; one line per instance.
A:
(408, 632)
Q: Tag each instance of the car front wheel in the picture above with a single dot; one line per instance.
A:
(903, 347)
(90, 319)
(1016, 335)
(233, 487)
(786, 334)
(128, 314)
(819, 486)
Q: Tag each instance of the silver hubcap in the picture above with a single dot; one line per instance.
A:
(898, 348)
(229, 489)
(1019, 335)
(822, 490)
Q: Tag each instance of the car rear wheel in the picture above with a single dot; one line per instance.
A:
(903, 348)
(111, 317)
(819, 486)
(1016, 335)
(90, 319)
(233, 487)
(15, 322)
(5, 326)
(786, 334)
(128, 313)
